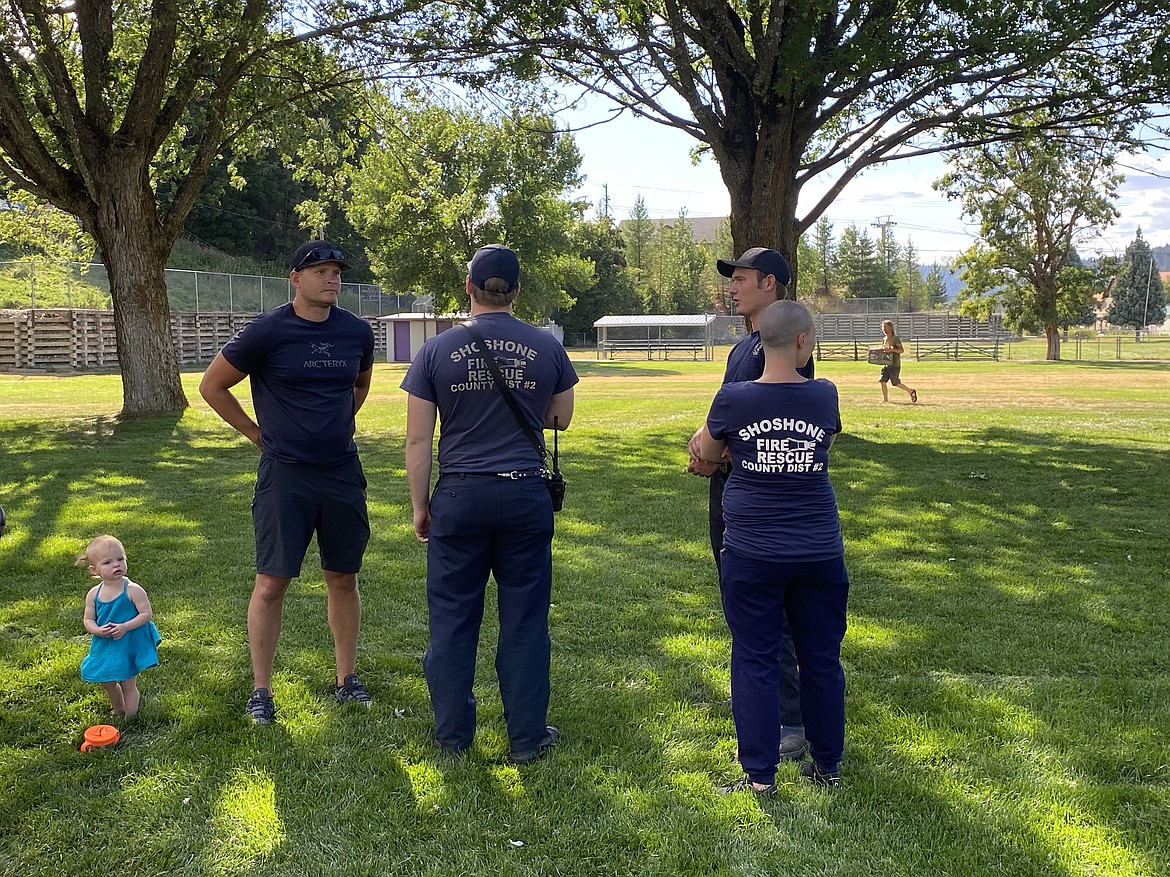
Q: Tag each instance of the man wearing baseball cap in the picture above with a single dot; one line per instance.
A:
(759, 277)
(490, 510)
(310, 363)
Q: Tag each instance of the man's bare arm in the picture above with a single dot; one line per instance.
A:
(215, 388)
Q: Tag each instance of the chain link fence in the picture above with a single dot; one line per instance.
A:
(34, 285)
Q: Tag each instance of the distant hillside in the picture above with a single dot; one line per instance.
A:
(192, 254)
(1162, 257)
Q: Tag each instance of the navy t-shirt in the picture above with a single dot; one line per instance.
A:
(779, 503)
(746, 361)
(303, 374)
(479, 433)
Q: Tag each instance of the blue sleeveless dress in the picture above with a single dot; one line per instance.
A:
(116, 660)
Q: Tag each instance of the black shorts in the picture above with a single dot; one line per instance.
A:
(891, 373)
(295, 500)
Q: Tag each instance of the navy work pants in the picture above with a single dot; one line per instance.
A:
(483, 524)
(757, 595)
(789, 673)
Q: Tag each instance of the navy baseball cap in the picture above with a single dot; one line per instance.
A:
(762, 259)
(314, 253)
(494, 260)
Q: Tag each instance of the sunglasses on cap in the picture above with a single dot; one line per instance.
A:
(321, 254)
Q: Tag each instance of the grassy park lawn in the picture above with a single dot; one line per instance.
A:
(1007, 656)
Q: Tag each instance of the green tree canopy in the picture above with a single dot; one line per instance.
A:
(115, 112)
(443, 182)
(32, 227)
(826, 255)
(785, 93)
(857, 270)
(614, 291)
(936, 286)
(1034, 197)
(678, 269)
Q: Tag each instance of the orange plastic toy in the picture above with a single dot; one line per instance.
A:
(99, 737)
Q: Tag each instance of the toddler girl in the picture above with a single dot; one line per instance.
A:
(117, 613)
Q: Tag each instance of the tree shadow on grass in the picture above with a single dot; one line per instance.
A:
(1120, 365)
(1003, 633)
(1005, 665)
(621, 368)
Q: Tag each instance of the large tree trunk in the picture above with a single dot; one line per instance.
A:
(142, 326)
(760, 172)
(1052, 333)
(134, 250)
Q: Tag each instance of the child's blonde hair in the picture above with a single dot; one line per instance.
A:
(95, 543)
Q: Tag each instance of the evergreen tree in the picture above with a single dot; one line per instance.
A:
(826, 256)
(911, 289)
(806, 256)
(936, 287)
(614, 291)
(678, 269)
(639, 233)
(857, 270)
(1138, 299)
(715, 283)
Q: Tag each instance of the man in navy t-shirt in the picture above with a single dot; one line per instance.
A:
(309, 363)
(782, 551)
(490, 511)
(759, 277)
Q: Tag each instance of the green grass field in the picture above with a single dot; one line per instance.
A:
(1007, 657)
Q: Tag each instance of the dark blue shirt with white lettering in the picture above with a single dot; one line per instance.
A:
(303, 375)
(779, 503)
(479, 433)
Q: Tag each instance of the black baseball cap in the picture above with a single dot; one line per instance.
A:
(313, 253)
(762, 259)
(494, 260)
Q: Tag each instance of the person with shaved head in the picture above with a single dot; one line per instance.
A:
(783, 555)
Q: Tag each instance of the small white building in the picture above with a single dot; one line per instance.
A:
(406, 333)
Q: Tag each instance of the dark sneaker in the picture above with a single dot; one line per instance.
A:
(793, 746)
(812, 772)
(352, 691)
(745, 784)
(260, 709)
(551, 736)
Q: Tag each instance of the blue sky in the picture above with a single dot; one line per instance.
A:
(632, 157)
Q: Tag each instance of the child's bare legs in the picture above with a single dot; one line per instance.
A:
(885, 392)
(131, 697)
(117, 700)
(910, 391)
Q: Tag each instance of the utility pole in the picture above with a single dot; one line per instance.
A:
(884, 224)
(605, 200)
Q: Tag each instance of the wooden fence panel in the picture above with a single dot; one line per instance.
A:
(62, 339)
(925, 324)
(9, 346)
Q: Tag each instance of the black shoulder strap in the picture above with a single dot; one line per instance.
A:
(506, 392)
